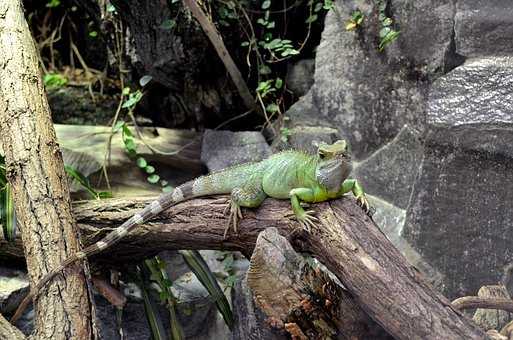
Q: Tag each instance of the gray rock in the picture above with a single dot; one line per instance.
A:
(300, 76)
(303, 138)
(484, 27)
(426, 34)
(366, 94)
(390, 219)
(390, 172)
(222, 149)
(460, 216)
(13, 287)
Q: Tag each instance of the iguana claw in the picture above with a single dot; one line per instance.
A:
(233, 218)
(362, 201)
(307, 220)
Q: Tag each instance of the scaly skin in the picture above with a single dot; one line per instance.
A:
(292, 175)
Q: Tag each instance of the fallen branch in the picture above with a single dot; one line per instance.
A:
(386, 287)
(469, 302)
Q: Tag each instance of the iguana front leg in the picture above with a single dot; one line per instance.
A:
(305, 218)
(250, 195)
(357, 189)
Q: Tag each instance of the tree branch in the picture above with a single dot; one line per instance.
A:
(390, 290)
(35, 171)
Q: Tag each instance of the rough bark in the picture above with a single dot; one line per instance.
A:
(40, 190)
(8, 331)
(291, 291)
(390, 290)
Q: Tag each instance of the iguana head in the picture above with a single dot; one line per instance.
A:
(334, 164)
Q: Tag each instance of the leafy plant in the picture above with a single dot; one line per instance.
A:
(355, 21)
(157, 268)
(7, 212)
(54, 80)
(387, 34)
(53, 3)
(84, 182)
(157, 328)
(131, 148)
(200, 268)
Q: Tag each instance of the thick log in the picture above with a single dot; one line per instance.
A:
(347, 241)
(35, 170)
(292, 291)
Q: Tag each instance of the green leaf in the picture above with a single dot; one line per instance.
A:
(54, 80)
(328, 4)
(53, 3)
(133, 99)
(7, 213)
(318, 7)
(387, 22)
(264, 69)
(168, 24)
(312, 18)
(126, 91)
(278, 83)
(167, 188)
(149, 170)
(384, 31)
(93, 34)
(155, 322)
(141, 162)
(153, 178)
(244, 43)
(271, 108)
(111, 8)
(266, 4)
(119, 124)
(200, 268)
(82, 180)
(271, 24)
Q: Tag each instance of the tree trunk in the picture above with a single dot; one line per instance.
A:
(40, 189)
(379, 278)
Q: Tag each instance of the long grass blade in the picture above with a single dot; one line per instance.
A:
(200, 268)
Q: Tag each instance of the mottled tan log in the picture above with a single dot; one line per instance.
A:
(8, 331)
(40, 190)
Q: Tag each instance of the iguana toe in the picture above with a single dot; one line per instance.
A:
(308, 220)
(233, 218)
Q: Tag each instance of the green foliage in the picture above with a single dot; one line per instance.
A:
(168, 24)
(158, 331)
(133, 98)
(131, 149)
(285, 133)
(7, 212)
(84, 182)
(387, 34)
(53, 3)
(228, 264)
(54, 80)
(355, 21)
(200, 268)
(159, 276)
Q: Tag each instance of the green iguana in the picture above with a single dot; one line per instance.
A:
(293, 175)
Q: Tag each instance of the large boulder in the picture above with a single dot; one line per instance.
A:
(390, 172)
(484, 27)
(460, 215)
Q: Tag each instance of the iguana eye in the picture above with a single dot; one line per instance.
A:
(321, 155)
